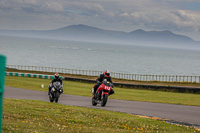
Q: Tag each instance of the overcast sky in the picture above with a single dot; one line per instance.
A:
(178, 16)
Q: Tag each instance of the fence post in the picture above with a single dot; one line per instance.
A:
(2, 75)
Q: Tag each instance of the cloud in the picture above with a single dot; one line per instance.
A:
(171, 20)
(108, 14)
(84, 8)
(188, 19)
(159, 15)
(52, 7)
(31, 6)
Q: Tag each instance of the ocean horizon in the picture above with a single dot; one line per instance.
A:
(132, 59)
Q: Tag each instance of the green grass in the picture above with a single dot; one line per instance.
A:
(38, 116)
(84, 89)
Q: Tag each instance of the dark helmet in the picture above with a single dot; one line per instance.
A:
(107, 73)
(56, 75)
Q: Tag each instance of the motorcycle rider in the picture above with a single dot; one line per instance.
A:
(105, 75)
(55, 79)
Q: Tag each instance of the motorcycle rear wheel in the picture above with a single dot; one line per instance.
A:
(93, 102)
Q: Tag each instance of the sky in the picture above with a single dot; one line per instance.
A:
(179, 16)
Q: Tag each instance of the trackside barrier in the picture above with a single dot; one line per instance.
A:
(2, 70)
(137, 77)
(140, 86)
(30, 75)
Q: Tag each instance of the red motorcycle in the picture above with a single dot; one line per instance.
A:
(102, 93)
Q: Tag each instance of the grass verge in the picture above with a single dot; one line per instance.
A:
(84, 89)
(38, 116)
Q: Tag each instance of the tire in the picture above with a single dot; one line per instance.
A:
(57, 96)
(93, 102)
(50, 98)
(104, 100)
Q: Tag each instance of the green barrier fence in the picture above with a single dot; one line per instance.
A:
(16, 74)
(40, 76)
(46, 77)
(34, 76)
(30, 75)
(10, 74)
(2, 74)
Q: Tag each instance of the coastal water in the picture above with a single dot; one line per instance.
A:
(100, 56)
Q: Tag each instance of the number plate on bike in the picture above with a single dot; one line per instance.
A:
(107, 88)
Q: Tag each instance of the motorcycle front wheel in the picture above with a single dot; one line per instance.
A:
(57, 97)
(104, 100)
(51, 98)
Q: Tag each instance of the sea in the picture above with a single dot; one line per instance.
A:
(122, 58)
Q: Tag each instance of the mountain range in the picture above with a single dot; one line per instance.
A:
(93, 34)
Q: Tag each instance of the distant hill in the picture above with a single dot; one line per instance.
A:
(87, 33)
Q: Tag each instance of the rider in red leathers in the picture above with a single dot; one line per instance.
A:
(105, 75)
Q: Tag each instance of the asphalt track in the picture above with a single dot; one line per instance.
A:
(184, 114)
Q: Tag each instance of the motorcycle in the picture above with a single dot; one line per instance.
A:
(102, 93)
(55, 92)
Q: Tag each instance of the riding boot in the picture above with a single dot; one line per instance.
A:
(93, 93)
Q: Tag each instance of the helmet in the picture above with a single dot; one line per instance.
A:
(107, 73)
(56, 75)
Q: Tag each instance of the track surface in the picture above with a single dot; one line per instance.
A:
(187, 114)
